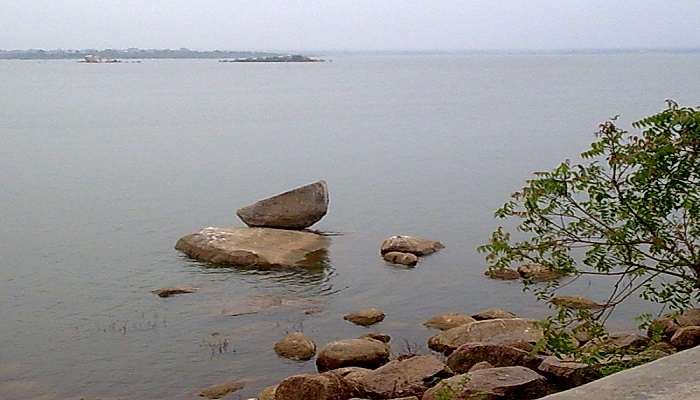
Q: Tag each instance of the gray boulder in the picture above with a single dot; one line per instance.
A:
(296, 209)
(410, 244)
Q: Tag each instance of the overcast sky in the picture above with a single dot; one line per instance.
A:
(356, 24)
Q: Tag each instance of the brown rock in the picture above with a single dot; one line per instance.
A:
(296, 346)
(513, 331)
(493, 313)
(222, 389)
(511, 383)
(481, 365)
(567, 374)
(396, 257)
(498, 355)
(576, 302)
(259, 247)
(366, 317)
(503, 274)
(325, 386)
(618, 341)
(686, 337)
(268, 393)
(669, 324)
(365, 353)
(382, 337)
(410, 244)
(167, 292)
(538, 273)
(296, 209)
(448, 321)
(400, 378)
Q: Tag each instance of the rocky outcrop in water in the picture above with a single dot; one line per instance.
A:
(255, 247)
(296, 209)
(366, 317)
(410, 244)
(167, 292)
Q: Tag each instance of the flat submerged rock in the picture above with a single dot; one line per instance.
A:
(255, 247)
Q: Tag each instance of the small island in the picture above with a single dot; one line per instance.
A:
(276, 59)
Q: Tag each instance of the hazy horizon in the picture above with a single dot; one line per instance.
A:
(314, 25)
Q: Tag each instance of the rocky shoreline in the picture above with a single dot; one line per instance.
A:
(488, 354)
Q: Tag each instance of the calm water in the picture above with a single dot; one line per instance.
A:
(104, 167)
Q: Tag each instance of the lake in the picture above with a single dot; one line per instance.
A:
(104, 166)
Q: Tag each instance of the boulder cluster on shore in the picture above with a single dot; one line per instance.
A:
(488, 354)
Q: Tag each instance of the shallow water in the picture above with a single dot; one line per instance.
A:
(104, 167)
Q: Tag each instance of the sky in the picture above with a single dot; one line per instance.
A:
(350, 24)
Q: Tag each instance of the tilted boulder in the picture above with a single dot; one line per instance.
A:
(365, 353)
(296, 209)
(255, 247)
(498, 355)
(410, 244)
(402, 378)
(513, 332)
(507, 383)
(686, 337)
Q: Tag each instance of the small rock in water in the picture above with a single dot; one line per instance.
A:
(296, 209)
(395, 257)
(296, 346)
(268, 393)
(448, 321)
(493, 313)
(366, 317)
(576, 302)
(410, 244)
(504, 274)
(222, 389)
(382, 337)
(167, 292)
(538, 273)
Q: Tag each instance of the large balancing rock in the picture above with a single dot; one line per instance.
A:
(254, 247)
(296, 209)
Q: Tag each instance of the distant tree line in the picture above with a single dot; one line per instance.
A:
(131, 53)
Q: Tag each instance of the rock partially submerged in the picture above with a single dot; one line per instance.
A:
(576, 302)
(503, 274)
(366, 317)
(296, 346)
(538, 273)
(364, 353)
(493, 313)
(512, 332)
(513, 383)
(255, 247)
(410, 244)
(222, 389)
(447, 321)
(296, 209)
(167, 292)
(396, 257)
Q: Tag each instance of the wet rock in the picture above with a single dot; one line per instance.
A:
(296, 209)
(481, 365)
(448, 321)
(401, 378)
(507, 383)
(493, 313)
(503, 274)
(669, 324)
(365, 353)
(382, 337)
(686, 337)
(396, 257)
(576, 302)
(366, 317)
(567, 374)
(167, 292)
(498, 355)
(325, 386)
(296, 346)
(512, 332)
(538, 273)
(268, 393)
(254, 247)
(410, 244)
(222, 389)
